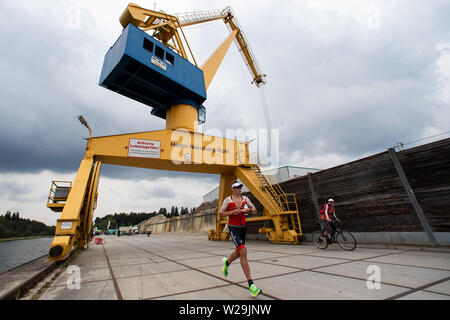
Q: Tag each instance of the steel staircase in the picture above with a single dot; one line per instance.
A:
(279, 206)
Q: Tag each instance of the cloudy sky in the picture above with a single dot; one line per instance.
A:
(345, 79)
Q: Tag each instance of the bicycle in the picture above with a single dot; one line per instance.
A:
(344, 239)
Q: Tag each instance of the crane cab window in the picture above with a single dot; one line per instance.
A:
(159, 52)
(169, 58)
(148, 45)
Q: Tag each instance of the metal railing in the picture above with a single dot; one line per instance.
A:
(59, 191)
(190, 17)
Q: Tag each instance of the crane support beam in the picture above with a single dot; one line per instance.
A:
(224, 191)
(211, 65)
(174, 150)
(87, 213)
(67, 226)
(75, 199)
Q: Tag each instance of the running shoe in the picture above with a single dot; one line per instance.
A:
(225, 268)
(254, 290)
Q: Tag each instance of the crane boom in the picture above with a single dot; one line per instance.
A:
(228, 16)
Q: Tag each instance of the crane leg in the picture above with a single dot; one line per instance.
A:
(74, 223)
(224, 191)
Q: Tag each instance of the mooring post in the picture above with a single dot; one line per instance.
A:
(412, 197)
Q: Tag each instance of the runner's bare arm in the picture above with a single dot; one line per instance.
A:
(251, 207)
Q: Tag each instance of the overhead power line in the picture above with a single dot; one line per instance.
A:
(439, 134)
(399, 145)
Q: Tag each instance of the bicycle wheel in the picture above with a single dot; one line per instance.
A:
(346, 240)
(319, 239)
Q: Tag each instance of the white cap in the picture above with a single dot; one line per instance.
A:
(330, 200)
(236, 185)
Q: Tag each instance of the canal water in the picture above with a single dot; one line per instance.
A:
(17, 252)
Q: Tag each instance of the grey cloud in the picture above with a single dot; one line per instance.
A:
(333, 84)
(351, 90)
(157, 192)
(49, 76)
(120, 172)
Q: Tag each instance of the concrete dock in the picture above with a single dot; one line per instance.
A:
(19, 279)
(188, 266)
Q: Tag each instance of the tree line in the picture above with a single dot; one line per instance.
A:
(174, 212)
(13, 226)
(131, 219)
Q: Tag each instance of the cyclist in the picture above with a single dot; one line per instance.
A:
(236, 207)
(328, 215)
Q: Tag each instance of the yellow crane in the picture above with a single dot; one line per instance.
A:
(154, 69)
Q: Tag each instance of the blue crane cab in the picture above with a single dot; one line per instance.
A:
(143, 69)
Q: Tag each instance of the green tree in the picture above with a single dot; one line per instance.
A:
(14, 226)
(3, 231)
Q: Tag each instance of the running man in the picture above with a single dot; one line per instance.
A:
(236, 207)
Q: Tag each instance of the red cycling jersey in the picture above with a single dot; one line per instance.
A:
(327, 211)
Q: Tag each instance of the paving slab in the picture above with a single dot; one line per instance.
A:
(427, 259)
(443, 288)
(407, 276)
(288, 249)
(307, 285)
(258, 270)
(262, 255)
(215, 261)
(224, 252)
(146, 287)
(424, 295)
(304, 262)
(146, 269)
(93, 257)
(99, 290)
(188, 255)
(357, 254)
(188, 267)
(86, 275)
(122, 261)
(228, 292)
